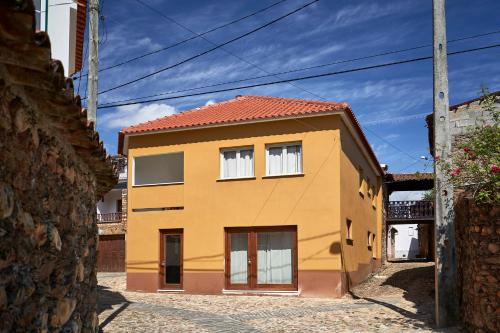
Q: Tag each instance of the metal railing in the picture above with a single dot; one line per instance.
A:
(109, 217)
(410, 210)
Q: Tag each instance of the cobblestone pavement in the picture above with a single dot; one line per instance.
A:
(396, 299)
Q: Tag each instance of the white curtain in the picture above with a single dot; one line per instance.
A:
(229, 164)
(239, 257)
(275, 160)
(246, 163)
(274, 257)
(293, 163)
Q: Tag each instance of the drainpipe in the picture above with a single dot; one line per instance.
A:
(46, 16)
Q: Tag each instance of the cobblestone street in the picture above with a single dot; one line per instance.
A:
(396, 299)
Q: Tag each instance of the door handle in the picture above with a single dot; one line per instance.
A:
(249, 262)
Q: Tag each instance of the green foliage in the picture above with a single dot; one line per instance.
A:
(475, 163)
(429, 195)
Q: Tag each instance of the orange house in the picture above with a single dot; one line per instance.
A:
(252, 195)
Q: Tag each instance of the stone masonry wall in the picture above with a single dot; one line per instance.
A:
(478, 262)
(52, 170)
(469, 115)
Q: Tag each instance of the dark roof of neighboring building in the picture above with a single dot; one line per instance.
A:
(247, 109)
(398, 177)
(81, 19)
(409, 181)
(456, 106)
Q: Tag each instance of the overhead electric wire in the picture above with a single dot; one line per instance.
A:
(190, 38)
(254, 65)
(209, 50)
(169, 19)
(301, 78)
(303, 68)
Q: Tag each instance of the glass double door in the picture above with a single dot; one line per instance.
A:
(261, 258)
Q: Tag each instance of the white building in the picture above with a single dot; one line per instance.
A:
(109, 208)
(64, 21)
(403, 242)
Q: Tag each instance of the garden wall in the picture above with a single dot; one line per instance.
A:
(478, 260)
(53, 168)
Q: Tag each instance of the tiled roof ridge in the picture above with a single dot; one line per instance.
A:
(297, 100)
(25, 62)
(337, 105)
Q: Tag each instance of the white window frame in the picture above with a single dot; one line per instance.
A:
(238, 151)
(153, 184)
(284, 147)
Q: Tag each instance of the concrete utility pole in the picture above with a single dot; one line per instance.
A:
(93, 60)
(446, 269)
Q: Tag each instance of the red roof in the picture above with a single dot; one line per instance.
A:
(247, 108)
(242, 108)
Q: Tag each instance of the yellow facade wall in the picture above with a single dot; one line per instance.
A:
(362, 208)
(312, 202)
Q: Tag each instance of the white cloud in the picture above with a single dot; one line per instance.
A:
(406, 195)
(210, 102)
(134, 114)
(395, 120)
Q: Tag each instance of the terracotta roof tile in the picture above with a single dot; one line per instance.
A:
(400, 177)
(240, 109)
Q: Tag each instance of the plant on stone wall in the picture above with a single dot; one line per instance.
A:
(475, 162)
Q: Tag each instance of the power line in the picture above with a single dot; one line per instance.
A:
(244, 60)
(301, 78)
(303, 68)
(190, 38)
(223, 49)
(390, 143)
(209, 50)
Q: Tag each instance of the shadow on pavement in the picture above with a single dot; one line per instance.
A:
(108, 299)
(417, 284)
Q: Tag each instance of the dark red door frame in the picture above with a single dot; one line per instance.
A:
(252, 259)
(161, 265)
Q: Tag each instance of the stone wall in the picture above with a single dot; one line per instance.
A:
(478, 262)
(52, 169)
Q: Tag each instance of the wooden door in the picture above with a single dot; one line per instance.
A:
(111, 253)
(171, 259)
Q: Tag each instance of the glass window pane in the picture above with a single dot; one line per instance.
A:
(229, 164)
(246, 163)
(173, 259)
(275, 161)
(159, 169)
(275, 257)
(293, 159)
(238, 258)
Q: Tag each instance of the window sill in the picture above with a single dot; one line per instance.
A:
(284, 176)
(160, 184)
(236, 178)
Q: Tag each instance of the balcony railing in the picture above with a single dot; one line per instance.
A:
(109, 217)
(410, 210)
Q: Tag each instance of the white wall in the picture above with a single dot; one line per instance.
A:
(61, 26)
(108, 205)
(406, 241)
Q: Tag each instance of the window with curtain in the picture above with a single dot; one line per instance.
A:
(284, 159)
(275, 257)
(238, 258)
(236, 163)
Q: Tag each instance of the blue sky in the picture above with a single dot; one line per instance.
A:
(390, 103)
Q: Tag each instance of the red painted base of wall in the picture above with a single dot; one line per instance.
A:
(311, 283)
